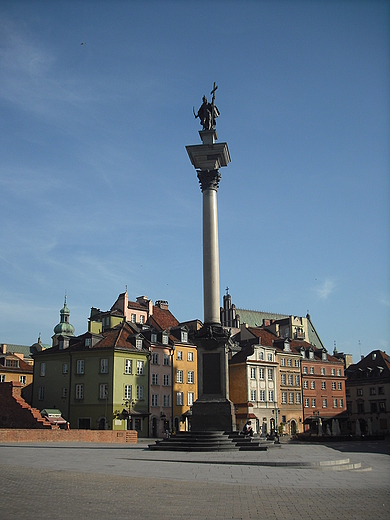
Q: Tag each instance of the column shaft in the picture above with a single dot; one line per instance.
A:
(210, 258)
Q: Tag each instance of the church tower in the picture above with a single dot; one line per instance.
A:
(64, 328)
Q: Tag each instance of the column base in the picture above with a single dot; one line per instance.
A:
(213, 415)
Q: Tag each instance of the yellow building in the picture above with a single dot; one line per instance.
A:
(14, 368)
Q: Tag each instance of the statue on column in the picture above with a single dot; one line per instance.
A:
(208, 112)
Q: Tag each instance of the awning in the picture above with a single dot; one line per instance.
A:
(56, 420)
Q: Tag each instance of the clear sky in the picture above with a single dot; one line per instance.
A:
(97, 190)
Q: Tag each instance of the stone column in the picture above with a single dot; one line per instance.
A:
(212, 410)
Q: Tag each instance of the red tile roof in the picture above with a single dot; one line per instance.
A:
(162, 319)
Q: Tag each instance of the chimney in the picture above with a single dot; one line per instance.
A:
(162, 304)
(4, 348)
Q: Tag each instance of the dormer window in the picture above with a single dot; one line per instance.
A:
(142, 319)
(87, 342)
(184, 336)
(154, 338)
(311, 354)
(165, 338)
(138, 343)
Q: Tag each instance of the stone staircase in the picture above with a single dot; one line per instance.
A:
(204, 441)
(16, 413)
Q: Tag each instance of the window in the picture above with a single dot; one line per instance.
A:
(333, 385)
(167, 360)
(283, 379)
(372, 391)
(270, 357)
(138, 343)
(298, 398)
(87, 342)
(291, 397)
(142, 319)
(290, 379)
(270, 373)
(154, 359)
(179, 376)
(184, 336)
(190, 377)
(313, 403)
(132, 318)
(166, 400)
(339, 371)
(179, 398)
(165, 339)
(297, 380)
(271, 396)
(166, 379)
(332, 372)
(296, 363)
(262, 396)
(382, 406)
(140, 393)
(103, 391)
(190, 356)
(80, 366)
(127, 392)
(253, 373)
(128, 366)
(381, 390)
(179, 355)
(140, 368)
(282, 362)
(261, 373)
(41, 395)
(339, 385)
(306, 402)
(322, 371)
(334, 403)
(289, 362)
(22, 379)
(261, 355)
(311, 370)
(324, 403)
(154, 399)
(79, 391)
(359, 391)
(104, 366)
(2, 378)
(373, 407)
(253, 395)
(153, 337)
(284, 397)
(154, 379)
(312, 385)
(304, 370)
(341, 403)
(64, 392)
(284, 419)
(190, 398)
(360, 407)
(65, 368)
(42, 371)
(306, 384)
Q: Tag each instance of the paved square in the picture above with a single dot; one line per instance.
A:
(105, 481)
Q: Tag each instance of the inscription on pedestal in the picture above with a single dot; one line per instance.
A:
(211, 373)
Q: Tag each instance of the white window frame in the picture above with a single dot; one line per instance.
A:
(42, 369)
(128, 366)
(154, 379)
(127, 392)
(166, 400)
(190, 356)
(140, 367)
(190, 398)
(291, 398)
(253, 372)
(103, 391)
(270, 374)
(190, 377)
(262, 396)
(283, 379)
(166, 380)
(261, 373)
(104, 366)
(80, 367)
(253, 395)
(179, 376)
(140, 393)
(79, 392)
(284, 397)
(179, 355)
(179, 398)
(154, 400)
(271, 396)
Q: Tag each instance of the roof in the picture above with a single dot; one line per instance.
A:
(255, 318)
(376, 365)
(267, 338)
(162, 319)
(22, 365)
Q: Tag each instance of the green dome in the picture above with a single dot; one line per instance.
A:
(64, 327)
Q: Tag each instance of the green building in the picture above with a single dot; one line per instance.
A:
(97, 380)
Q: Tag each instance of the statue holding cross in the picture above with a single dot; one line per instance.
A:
(208, 112)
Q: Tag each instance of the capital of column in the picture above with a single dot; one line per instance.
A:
(209, 179)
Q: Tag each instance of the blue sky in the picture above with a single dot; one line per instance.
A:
(98, 191)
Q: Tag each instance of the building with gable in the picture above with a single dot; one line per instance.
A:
(368, 394)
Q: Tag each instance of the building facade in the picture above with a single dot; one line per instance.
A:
(368, 395)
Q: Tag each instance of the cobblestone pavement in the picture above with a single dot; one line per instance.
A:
(86, 481)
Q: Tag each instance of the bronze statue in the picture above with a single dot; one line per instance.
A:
(208, 112)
